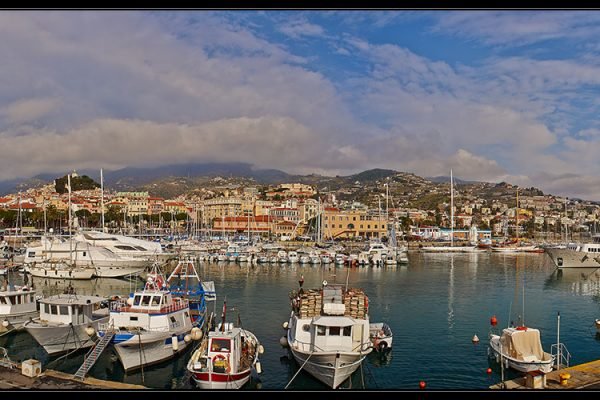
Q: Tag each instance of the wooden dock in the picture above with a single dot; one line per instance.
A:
(12, 378)
(583, 376)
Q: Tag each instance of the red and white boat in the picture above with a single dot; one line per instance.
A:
(225, 358)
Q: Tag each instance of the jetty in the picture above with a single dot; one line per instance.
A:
(11, 377)
(582, 376)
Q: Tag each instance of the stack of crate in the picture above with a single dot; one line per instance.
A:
(310, 303)
(356, 302)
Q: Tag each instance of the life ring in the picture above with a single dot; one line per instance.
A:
(225, 360)
(382, 346)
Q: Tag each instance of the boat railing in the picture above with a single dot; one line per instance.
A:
(122, 306)
(561, 355)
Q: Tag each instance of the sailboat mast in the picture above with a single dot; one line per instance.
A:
(102, 198)
(70, 240)
(517, 217)
(451, 210)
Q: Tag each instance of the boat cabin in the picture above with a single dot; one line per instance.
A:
(151, 309)
(16, 300)
(69, 309)
(224, 350)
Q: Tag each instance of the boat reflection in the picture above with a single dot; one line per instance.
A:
(579, 281)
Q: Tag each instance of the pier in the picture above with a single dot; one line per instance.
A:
(582, 376)
(12, 378)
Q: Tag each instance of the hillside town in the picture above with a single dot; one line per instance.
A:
(417, 209)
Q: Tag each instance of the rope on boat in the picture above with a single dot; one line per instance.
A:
(294, 377)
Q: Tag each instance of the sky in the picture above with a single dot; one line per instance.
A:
(493, 95)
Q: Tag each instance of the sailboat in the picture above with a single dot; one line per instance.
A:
(451, 248)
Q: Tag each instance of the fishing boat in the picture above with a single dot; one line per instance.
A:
(67, 321)
(328, 331)
(381, 336)
(150, 326)
(185, 282)
(17, 306)
(226, 357)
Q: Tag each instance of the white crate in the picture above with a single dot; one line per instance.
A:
(31, 368)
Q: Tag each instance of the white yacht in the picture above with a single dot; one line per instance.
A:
(125, 245)
(328, 332)
(67, 322)
(577, 255)
(82, 254)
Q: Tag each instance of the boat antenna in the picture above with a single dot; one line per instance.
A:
(223, 314)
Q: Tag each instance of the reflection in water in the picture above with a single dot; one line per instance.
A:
(579, 281)
(451, 294)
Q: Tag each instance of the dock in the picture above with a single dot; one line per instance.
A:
(583, 376)
(12, 378)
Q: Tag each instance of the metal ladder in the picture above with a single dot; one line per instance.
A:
(92, 355)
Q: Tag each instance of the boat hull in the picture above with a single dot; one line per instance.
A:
(331, 368)
(16, 320)
(214, 380)
(155, 348)
(567, 258)
(56, 339)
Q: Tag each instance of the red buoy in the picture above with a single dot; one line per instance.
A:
(422, 385)
(489, 371)
(494, 320)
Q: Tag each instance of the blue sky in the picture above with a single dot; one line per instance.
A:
(494, 95)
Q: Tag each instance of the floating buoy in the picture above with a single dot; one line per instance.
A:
(422, 385)
(494, 320)
(258, 367)
(325, 283)
(5, 323)
(175, 343)
(187, 338)
(475, 339)
(285, 325)
(283, 341)
(261, 349)
(90, 330)
(489, 371)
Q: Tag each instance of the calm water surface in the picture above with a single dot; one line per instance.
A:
(434, 305)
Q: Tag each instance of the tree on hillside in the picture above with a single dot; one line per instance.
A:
(82, 182)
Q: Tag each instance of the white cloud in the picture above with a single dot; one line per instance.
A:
(28, 110)
(298, 28)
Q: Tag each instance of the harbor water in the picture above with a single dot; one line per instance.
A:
(434, 305)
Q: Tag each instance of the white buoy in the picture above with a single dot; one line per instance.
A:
(90, 330)
(187, 338)
(258, 367)
(175, 343)
(261, 349)
(5, 323)
(283, 341)
(285, 325)
(196, 333)
(475, 339)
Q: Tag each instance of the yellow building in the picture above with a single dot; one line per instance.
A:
(137, 202)
(352, 223)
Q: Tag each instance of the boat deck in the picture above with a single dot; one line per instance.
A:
(583, 376)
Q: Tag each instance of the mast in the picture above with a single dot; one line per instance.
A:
(451, 210)
(102, 198)
(517, 217)
(70, 240)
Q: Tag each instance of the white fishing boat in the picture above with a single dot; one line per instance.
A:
(226, 357)
(60, 269)
(381, 336)
(150, 326)
(328, 331)
(521, 349)
(67, 322)
(17, 305)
